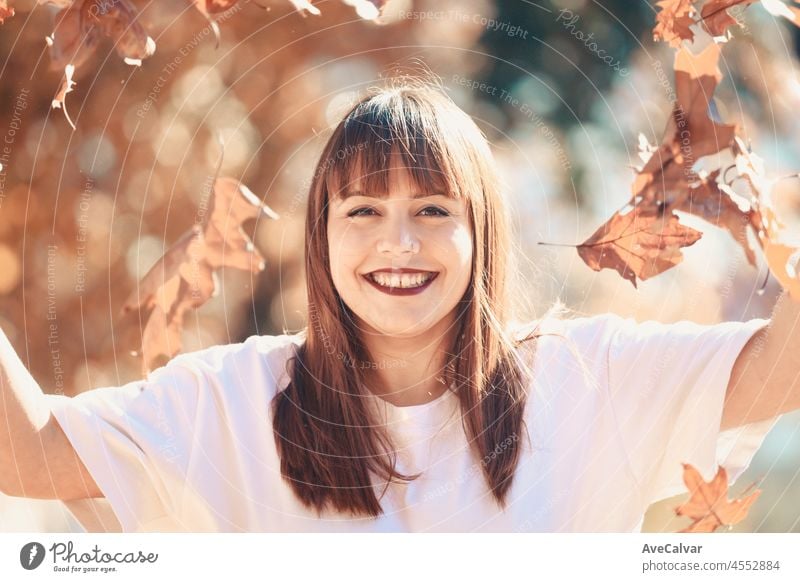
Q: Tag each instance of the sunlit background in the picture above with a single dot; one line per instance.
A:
(120, 189)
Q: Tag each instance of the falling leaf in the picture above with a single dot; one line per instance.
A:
(696, 79)
(783, 259)
(646, 240)
(5, 11)
(638, 243)
(708, 505)
(118, 20)
(690, 134)
(668, 182)
(184, 278)
(80, 26)
(711, 201)
(781, 251)
(674, 21)
(59, 101)
(70, 43)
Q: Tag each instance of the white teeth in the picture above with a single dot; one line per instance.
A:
(401, 281)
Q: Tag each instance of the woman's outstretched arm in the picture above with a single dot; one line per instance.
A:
(36, 458)
(765, 381)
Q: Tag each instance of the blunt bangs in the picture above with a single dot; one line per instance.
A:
(379, 130)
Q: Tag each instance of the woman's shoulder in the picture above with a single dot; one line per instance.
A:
(247, 351)
(562, 323)
(259, 360)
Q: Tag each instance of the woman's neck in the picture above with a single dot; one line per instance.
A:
(407, 371)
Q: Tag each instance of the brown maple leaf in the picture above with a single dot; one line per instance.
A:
(184, 278)
(710, 200)
(638, 243)
(667, 181)
(783, 259)
(80, 26)
(696, 79)
(708, 505)
(646, 240)
(673, 21)
(77, 32)
(70, 43)
(5, 11)
(118, 20)
(781, 253)
(690, 133)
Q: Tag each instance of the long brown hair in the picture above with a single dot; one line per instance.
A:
(329, 445)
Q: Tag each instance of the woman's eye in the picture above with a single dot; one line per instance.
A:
(360, 211)
(427, 211)
(437, 211)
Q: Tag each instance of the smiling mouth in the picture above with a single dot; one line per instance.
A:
(397, 281)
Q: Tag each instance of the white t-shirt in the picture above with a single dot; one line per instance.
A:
(191, 447)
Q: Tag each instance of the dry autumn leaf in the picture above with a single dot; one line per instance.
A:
(713, 202)
(667, 182)
(184, 278)
(690, 133)
(70, 43)
(78, 29)
(781, 250)
(5, 11)
(696, 79)
(708, 505)
(118, 20)
(638, 243)
(59, 101)
(711, 199)
(674, 21)
(80, 26)
(783, 259)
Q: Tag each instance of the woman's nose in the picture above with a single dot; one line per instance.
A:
(398, 238)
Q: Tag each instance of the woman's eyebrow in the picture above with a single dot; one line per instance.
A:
(385, 195)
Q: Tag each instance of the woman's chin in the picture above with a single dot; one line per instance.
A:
(400, 328)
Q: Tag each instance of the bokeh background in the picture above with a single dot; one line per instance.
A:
(85, 213)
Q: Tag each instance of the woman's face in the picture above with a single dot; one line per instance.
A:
(401, 263)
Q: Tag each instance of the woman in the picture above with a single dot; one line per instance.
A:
(411, 402)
